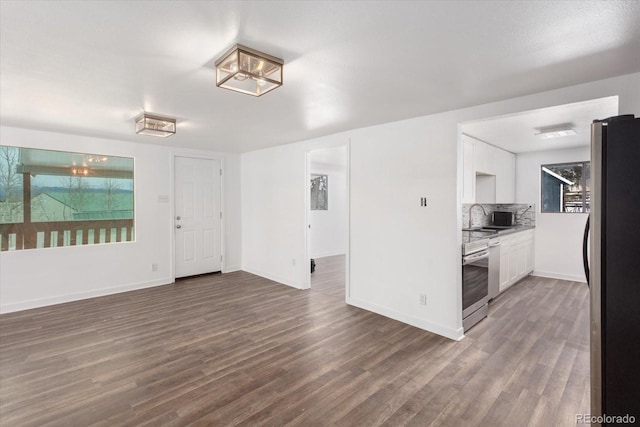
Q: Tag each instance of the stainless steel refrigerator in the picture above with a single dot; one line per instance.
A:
(613, 268)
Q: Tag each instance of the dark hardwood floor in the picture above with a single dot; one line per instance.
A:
(239, 349)
(329, 276)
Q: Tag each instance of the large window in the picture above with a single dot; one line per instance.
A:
(57, 198)
(566, 187)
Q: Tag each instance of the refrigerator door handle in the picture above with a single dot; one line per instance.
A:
(585, 250)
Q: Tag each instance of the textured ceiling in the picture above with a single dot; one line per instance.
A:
(91, 67)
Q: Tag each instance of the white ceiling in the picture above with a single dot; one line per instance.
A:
(332, 157)
(517, 132)
(91, 67)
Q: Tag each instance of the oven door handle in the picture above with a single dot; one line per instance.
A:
(473, 258)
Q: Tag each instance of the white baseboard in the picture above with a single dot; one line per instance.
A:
(271, 277)
(326, 254)
(560, 276)
(231, 269)
(454, 334)
(43, 302)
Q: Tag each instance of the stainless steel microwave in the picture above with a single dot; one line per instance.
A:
(504, 218)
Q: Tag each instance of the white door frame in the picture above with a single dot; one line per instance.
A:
(205, 156)
(307, 201)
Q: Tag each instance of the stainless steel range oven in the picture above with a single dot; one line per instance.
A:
(475, 286)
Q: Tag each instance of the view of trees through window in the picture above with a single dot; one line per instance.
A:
(10, 185)
(54, 198)
(566, 187)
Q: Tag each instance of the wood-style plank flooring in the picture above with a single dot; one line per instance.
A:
(329, 276)
(237, 349)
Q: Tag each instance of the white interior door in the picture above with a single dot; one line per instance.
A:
(198, 215)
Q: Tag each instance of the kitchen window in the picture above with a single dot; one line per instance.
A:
(565, 187)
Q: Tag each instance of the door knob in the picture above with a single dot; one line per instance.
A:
(178, 226)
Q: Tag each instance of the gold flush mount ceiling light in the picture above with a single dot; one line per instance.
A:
(248, 71)
(148, 124)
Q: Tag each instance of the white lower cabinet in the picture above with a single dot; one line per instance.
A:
(504, 265)
(516, 257)
(513, 264)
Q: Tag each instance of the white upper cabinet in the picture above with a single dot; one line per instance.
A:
(505, 176)
(485, 158)
(488, 173)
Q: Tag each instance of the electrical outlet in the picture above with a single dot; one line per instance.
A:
(293, 262)
(423, 299)
(154, 266)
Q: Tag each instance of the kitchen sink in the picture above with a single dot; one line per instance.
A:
(490, 228)
(482, 230)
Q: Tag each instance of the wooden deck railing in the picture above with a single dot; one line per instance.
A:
(64, 233)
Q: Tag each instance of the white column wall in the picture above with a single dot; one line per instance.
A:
(400, 249)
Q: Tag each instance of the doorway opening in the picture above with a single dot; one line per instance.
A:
(509, 164)
(327, 212)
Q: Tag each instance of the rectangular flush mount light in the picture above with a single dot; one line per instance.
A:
(557, 132)
(248, 71)
(147, 124)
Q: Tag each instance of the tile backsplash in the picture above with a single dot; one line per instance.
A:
(524, 216)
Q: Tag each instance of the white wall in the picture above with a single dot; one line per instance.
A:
(558, 235)
(37, 277)
(232, 220)
(328, 232)
(397, 249)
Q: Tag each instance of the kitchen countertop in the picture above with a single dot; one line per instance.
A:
(474, 240)
(515, 229)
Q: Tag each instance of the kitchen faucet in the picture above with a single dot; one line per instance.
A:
(520, 215)
(471, 211)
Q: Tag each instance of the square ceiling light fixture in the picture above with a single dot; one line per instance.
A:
(147, 124)
(556, 132)
(248, 71)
